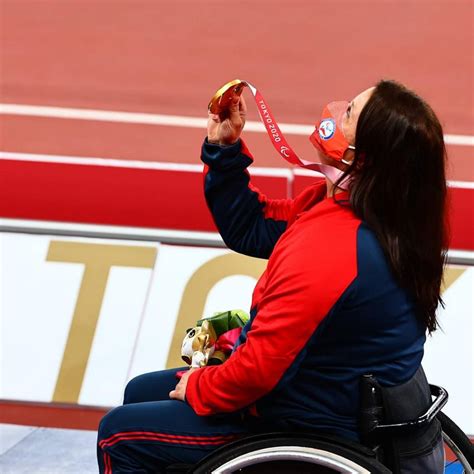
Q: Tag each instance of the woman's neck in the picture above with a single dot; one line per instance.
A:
(331, 189)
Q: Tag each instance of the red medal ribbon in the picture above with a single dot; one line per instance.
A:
(283, 147)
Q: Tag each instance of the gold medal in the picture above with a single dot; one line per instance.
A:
(223, 97)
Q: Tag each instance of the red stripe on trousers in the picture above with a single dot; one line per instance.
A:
(165, 439)
(170, 436)
(149, 436)
(108, 464)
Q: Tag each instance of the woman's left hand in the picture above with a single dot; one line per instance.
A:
(180, 391)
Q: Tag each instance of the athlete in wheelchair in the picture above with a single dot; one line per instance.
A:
(326, 376)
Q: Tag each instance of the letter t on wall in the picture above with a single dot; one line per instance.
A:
(97, 260)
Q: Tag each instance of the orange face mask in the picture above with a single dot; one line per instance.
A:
(328, 137)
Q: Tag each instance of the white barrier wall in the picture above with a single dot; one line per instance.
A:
(80, 316)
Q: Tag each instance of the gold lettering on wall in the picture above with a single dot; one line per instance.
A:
(197, 289)
(97, 260)
(451, 274)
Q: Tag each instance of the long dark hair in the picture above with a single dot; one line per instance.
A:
(398, 188)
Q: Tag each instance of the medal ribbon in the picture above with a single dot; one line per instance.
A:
(283, 147)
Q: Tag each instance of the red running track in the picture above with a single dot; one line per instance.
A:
(169, 57)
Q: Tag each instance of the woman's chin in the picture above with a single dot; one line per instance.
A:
(326, 160)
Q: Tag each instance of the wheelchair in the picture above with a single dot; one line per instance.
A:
(301, 453)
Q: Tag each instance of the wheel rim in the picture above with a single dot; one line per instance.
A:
(309, 455)
(459, 455)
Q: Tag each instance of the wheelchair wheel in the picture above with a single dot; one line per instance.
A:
(278, 454)
(458, 448)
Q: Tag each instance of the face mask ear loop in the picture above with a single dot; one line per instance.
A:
(350, 147)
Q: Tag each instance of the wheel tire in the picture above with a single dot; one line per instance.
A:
(458, 437)
(363, 458)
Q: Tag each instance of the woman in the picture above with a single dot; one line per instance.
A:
(351, 287)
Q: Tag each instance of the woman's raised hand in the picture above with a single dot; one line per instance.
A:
(225, 128)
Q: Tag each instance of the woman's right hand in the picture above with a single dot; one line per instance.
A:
(225, 128)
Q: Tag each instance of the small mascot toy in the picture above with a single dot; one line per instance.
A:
(212, 340)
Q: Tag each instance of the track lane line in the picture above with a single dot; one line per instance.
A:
(150, 165)
(168, 120)
(288, 173)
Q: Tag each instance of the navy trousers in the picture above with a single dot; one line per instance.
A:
(150, 431)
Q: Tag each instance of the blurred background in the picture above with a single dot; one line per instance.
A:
(108, 251)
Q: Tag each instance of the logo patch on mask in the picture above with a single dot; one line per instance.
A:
(327, 129)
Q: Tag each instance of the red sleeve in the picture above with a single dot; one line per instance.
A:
(304, 282)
